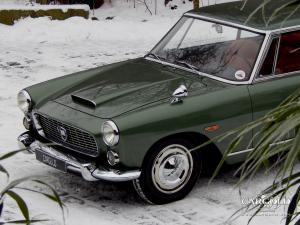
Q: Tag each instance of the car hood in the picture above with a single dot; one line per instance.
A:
(129, 86)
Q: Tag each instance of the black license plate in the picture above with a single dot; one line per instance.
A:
(51, 161)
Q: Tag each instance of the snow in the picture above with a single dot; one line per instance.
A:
(35, 50)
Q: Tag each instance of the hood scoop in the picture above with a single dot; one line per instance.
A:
(83, 101)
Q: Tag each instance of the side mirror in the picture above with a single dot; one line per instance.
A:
(178, 94)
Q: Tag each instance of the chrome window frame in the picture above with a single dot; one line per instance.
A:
(209, 19)
(275, 34)
(269, 34)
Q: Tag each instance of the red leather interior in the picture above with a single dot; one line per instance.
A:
(289, 53)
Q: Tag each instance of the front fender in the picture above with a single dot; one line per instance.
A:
(229, 108)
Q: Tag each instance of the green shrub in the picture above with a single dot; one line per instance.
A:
(10, 190)
(8, 17)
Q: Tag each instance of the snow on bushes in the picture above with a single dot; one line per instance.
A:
(10, 13)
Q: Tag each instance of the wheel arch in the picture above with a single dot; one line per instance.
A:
(210, 152)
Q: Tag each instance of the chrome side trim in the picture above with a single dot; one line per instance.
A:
(87, 170)
(251, 149)
(240, 152)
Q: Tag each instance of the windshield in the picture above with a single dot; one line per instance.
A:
(211, 48)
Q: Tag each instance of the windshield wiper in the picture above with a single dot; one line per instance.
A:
(192, 67)
(159, 58)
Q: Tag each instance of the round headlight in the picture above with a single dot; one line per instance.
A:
(24, 101)
(110, 133)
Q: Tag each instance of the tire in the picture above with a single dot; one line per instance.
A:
(169, 172)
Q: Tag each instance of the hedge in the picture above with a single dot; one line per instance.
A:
(9, 16)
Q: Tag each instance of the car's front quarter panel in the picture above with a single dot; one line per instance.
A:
(229, 108)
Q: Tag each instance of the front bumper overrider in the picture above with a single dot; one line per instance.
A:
(87, 170)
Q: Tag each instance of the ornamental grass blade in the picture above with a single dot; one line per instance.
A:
(10, 154)
(290, 15)
(275, 13)
(23, 221)
(14, 183)
(228, 151)
(55, 196)
(256, 10)
(21, 204)
(3, 170)
(291, 155)
(292, 206)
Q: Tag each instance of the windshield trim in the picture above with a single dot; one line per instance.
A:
(198, 73)
(224, 22)
(257, 62)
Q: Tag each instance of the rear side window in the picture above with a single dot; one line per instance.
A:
(289, 53)
(269, 63)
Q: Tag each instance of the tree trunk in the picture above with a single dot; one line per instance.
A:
(196, 4)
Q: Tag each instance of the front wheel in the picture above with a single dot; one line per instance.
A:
(169, 172)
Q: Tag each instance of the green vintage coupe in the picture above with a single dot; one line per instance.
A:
(218, 68)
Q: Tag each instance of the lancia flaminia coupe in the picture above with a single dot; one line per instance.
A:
(218, 68)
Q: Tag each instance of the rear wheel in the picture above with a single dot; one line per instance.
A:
(169, 172)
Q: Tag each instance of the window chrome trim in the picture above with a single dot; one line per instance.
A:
(266, 51)
(257, 62)
(260, 57)
(276, 34)
(274, 31)
(245, 27)
(278, 76)
(199, 73)
(286, 30)
(276, 54)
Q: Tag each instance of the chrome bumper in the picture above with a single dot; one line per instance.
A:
(87, 170)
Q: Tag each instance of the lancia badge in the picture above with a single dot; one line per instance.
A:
(63, 133)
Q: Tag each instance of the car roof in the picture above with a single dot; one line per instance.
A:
(248, 15)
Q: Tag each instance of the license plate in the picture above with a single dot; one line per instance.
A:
(50, 160)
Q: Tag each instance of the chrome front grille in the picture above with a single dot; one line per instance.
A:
(68, 136)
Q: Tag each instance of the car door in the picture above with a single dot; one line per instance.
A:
(278, 77)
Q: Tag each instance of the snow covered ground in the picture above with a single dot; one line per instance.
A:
(35, 50)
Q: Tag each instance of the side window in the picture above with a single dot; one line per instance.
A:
(289, 53)
(267, 68)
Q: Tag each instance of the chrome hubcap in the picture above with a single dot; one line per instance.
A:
(172, 168)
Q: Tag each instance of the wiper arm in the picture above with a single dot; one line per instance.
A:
(192, 67)
(159, 58)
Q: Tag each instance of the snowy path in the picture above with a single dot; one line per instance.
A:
(36, 50)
